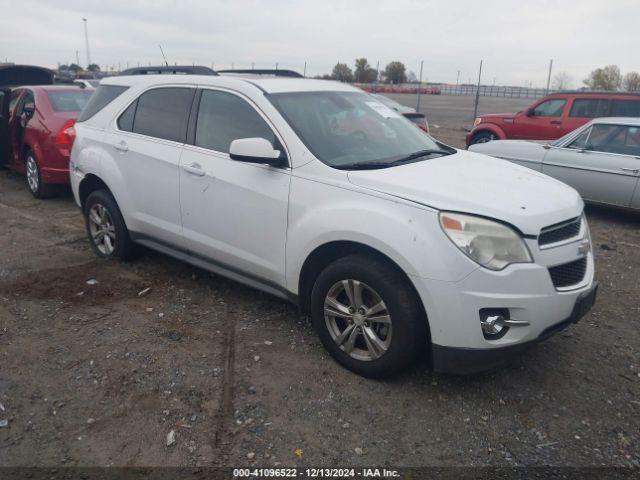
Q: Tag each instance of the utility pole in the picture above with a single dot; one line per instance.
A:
(475, 107)
(86, 42)
(375, 85)
(458, 78)
(276, 65)
(77, 58)
(419, 86)
(549, 76)
(304, 74)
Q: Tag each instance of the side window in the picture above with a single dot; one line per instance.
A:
(125, 122)
(224, 117)
(164, 113)
(102, 97)
(589, 108)
(550, 108)
(580, 141)
(621, 139)
(625, 108)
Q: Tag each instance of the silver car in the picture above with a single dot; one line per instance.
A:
(601, 159)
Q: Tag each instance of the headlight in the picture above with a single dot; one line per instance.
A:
(491, 244)
(477, 121)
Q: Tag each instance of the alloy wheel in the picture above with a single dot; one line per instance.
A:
(358, 320)
(102, 229)
(33, 178)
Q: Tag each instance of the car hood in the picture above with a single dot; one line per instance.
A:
(477, 184)
(512, 149)
(497, 116)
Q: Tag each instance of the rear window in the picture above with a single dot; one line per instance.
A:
(102, 97)
(69, 100)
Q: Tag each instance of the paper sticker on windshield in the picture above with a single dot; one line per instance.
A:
(383, 110)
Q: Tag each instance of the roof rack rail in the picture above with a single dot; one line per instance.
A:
(168, 70)
(263, 71)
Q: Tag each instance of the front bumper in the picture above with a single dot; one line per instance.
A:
(463, 361)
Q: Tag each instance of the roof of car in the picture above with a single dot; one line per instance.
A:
(57, 87)
(635, 121)
(600, 93)
(266, 84)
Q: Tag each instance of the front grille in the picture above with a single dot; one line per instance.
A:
(568, 274)
(560, 231)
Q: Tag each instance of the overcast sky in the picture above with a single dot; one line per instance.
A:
(516, 39)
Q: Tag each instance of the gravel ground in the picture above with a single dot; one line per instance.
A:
(101, 361)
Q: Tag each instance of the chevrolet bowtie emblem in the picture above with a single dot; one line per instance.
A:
(584, 247)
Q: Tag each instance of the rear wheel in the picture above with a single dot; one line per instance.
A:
(482, 137)
(367, 316)
(34, 179)
(106, 229)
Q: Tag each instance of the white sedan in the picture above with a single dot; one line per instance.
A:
(601, 159)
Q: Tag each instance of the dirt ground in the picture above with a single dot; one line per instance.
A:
(100, 361)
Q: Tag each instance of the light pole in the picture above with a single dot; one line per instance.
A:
(86, 42)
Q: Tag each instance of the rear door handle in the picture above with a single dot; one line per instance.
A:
(122, 146)
(194, 169)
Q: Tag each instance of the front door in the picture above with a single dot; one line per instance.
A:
(4, 126)
(234, 214)
(541, 122)
(602, 163)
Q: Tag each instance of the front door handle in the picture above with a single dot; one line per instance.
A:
(555, 122)
(122, 146)
(635, 171)
(194, 169)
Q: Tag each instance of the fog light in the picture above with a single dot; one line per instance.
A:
(493, 322)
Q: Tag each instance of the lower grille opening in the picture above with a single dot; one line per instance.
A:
(568, 274)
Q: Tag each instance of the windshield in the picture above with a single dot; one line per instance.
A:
(345, 129)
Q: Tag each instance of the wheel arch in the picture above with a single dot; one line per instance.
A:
(90, 183)
(489, 128)
(331, 251)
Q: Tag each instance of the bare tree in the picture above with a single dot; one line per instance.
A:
(607, 78)
(562, 81)
(631, 82)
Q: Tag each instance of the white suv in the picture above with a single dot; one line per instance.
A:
(315, 192)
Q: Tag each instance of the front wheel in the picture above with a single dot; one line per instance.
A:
(367, 316)
(106, 229)
(482, 137)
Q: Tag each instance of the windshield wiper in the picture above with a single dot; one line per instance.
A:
(422, 153)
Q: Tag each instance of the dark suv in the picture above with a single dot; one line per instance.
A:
(554, 116)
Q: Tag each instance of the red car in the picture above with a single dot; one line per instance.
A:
(554, 116)
(40, 130)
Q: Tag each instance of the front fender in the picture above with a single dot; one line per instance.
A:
(487, 127)
(409, 235)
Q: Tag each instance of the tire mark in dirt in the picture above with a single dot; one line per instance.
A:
(222, 441)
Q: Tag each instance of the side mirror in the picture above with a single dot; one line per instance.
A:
(29, 109)
(256, 150)
(529, 112)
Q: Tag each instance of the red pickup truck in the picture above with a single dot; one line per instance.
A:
(554, 116)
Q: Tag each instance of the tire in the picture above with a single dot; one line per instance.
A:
(398, 341)
(34, 179)
(106, 228)
(482, 137)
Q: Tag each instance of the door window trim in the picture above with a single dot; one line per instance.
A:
(196, 108)
(565, 145)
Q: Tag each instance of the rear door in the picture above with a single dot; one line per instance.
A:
(541, 122)
(147, 145)
(584, 109)
(602, 163)
(5, 94)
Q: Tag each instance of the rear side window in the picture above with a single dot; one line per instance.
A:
(125, 122)
(69, 100)
(590, 108)
(625, 108)
(102, 97)
(163, 113)
(224, 117)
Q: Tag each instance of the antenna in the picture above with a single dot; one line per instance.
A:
(165, 58)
